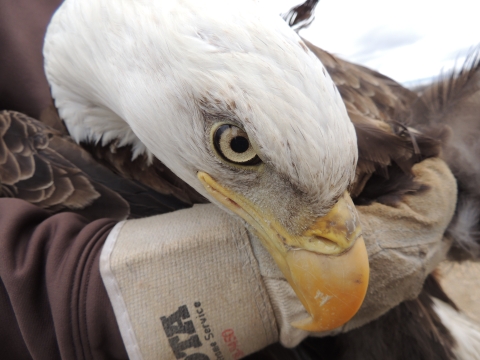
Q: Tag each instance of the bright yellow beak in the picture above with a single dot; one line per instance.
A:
(327, 265)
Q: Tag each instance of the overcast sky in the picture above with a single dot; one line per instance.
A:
(407, 40)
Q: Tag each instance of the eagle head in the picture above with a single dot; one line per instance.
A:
(231, 100)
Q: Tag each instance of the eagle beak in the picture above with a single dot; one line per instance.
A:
(327, 265)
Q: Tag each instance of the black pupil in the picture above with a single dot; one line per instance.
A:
(239, 144)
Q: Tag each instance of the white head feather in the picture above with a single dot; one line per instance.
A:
(151, 73)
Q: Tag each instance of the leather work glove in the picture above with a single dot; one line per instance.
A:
(195, 284)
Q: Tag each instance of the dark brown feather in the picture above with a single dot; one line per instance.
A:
(380, 110)
(42, 165)
(31, 169)
(301, 16)
(156, 175)
(143, 199)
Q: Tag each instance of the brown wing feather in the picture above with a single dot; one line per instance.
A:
(32, 170)
(143, 200)
(156, 175)
(380, 110)
(64, 176)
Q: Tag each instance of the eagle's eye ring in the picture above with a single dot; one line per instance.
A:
(233, 145)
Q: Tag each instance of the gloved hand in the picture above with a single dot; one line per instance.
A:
(195, 284)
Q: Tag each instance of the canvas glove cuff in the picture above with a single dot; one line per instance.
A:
(186, 285)
(195, 285)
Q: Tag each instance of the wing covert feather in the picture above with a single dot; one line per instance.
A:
(380, 110)
(32, 170)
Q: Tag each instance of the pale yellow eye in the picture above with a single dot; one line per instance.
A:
(233, 145)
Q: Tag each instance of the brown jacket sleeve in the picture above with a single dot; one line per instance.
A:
(53, 304)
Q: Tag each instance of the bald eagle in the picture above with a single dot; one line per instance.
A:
(232, 107)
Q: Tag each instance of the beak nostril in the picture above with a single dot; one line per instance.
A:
(327, 243)
(321, 238)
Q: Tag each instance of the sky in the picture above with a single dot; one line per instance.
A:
(407, 40)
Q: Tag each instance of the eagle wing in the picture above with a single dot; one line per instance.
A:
(42, 165)
(32, 170)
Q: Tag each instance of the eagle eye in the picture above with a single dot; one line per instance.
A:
(233, 145)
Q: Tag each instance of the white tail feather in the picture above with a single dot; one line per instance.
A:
(464, 330)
